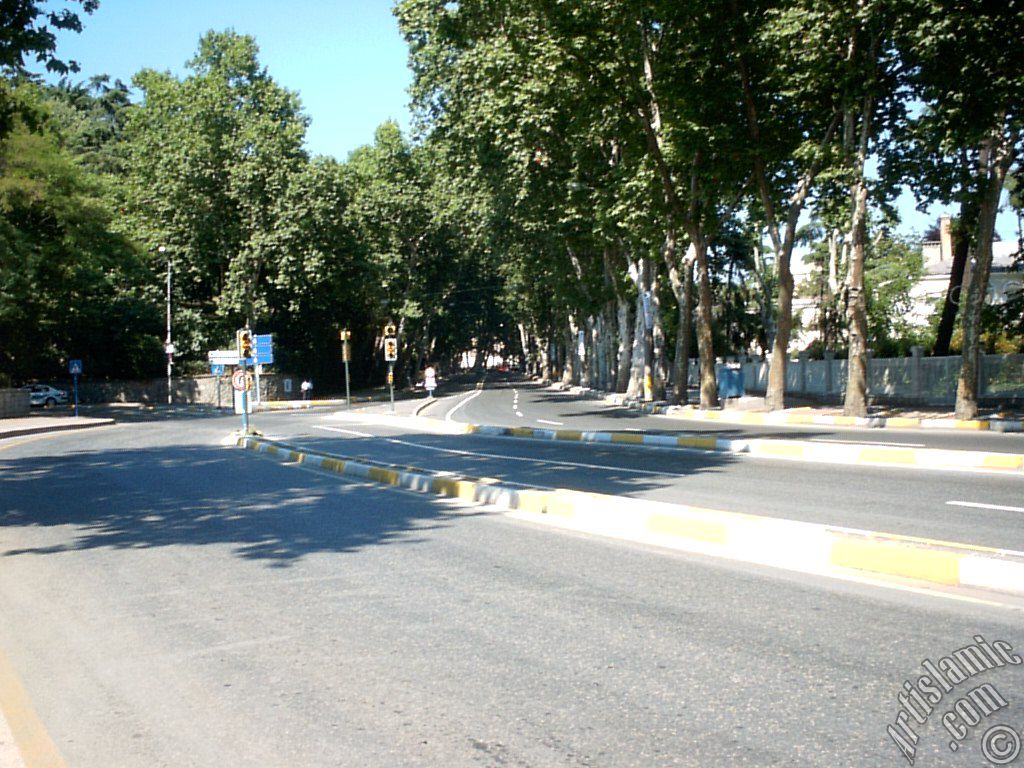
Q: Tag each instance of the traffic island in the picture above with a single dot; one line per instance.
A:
(787, 544)
(857, 454)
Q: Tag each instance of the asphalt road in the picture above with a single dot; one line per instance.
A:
(168, 601)
(540, 406)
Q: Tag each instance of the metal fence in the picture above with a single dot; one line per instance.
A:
(917, 379)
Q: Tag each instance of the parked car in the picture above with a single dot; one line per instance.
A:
(45, 396)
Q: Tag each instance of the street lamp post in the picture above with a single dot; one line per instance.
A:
(168, 346)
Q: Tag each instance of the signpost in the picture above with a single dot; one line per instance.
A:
(263, 354)
(240, 380)
(75, 368)
(223, 357)
(430, 380)
(217, 369)
(346, 356)
(391, 355)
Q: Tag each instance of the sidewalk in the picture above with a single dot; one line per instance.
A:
(751, 411)
(32, 425)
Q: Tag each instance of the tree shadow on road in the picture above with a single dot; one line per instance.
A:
(202, 496)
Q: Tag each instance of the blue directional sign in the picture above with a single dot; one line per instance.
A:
(74, 367)
(264, 348)
(217, 369)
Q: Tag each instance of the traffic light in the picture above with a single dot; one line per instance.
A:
(390, 349)
(244, 338)
(389, 329)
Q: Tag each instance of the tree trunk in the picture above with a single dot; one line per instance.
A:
(681, 367)
(620, 365)
(544, 348)
(767, 334)
(569, 371)
(856, 403)
(705, 348)
(607, 347)
(996, 159)
(639, 352)
(775, 396)
(524, 342)
(586, 362)
(625, 345)
(681, 282)
(954, 293)
(658, 357)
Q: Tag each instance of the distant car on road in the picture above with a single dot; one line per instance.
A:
(45, 396)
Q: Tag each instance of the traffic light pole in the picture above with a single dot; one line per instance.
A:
(391, 384)
(245, 399)
(348, 392)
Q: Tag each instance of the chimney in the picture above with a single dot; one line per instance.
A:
(945, 239)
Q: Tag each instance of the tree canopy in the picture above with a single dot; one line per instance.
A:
(596, 190)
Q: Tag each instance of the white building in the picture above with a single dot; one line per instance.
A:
(937, 257)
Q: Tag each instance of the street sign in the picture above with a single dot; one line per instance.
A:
(74, 367)
(264, 349)
(223, 356)
(217, 369)
(241, 380)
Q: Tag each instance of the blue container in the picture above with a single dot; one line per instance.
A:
(730, 382)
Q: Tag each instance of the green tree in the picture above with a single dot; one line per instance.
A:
(69, 285)
(27, 29)
(964, 65)
(208, 161)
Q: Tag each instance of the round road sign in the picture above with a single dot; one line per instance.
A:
(241, 380)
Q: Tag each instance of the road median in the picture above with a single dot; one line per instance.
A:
(803, 418)
(859, 454)
(791, 545)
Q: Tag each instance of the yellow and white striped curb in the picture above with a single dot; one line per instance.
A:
(793, 450)
(765, 448)
(787, 544)
(796, 418)
(298, 405)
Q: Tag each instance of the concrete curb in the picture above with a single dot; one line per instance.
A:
(298, 405)
(793, 450)
(765, 448)
(784, 418)
(30, 430)
(787, 544)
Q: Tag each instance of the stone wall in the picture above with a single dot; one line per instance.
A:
(13, 403)
(192, 390)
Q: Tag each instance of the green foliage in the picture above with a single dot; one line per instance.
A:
(556, 143)
(27, 29)
(208, 161)
(69, 285)
(892, 268)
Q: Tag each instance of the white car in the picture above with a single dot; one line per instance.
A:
(43, 395)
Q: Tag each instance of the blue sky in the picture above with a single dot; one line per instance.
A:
(345, 58)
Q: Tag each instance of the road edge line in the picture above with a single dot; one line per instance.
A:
(32, 742)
